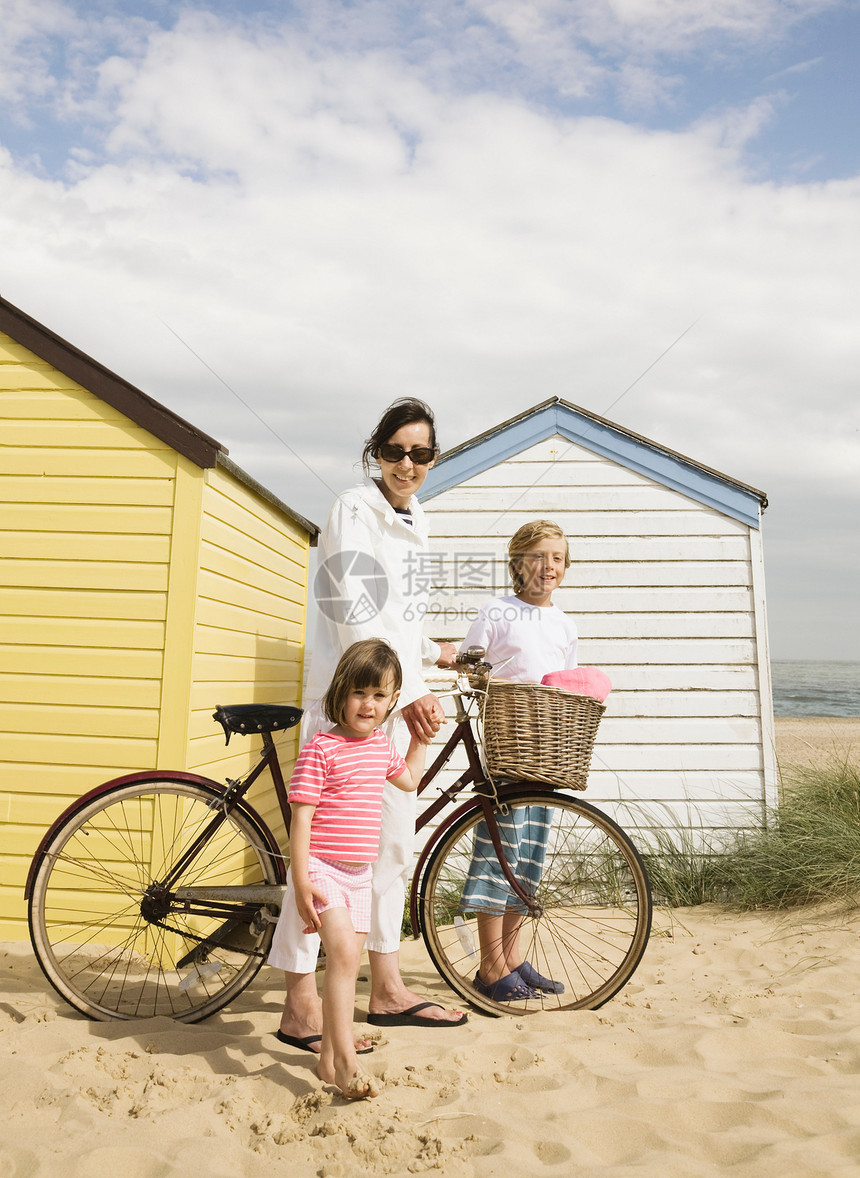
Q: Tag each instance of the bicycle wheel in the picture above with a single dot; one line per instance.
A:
(590, 884)
(114, 944)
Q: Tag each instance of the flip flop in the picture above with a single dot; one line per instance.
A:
(510, 988)
(537, 981)
(304, 1044)
(412, 1018)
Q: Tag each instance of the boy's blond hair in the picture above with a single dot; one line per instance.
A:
(525, 538)
(369, 663)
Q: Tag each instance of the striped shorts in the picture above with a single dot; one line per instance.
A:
(344, 885)
(523, 834)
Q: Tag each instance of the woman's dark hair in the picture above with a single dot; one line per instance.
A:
(402, 412)
(369, 663)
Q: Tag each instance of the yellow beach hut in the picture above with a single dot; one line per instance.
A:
(145, 579)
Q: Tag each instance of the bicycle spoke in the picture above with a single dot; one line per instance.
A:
(109, 938)
(582, 875)
(92, 872)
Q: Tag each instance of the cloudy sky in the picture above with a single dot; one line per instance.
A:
(276, 217)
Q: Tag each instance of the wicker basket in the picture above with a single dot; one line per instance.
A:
(537, 733)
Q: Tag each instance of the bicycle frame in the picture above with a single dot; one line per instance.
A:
(204, 900)
(159, 932)
(232, 796)
(474, 776)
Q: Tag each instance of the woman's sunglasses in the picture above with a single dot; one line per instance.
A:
(420, 455)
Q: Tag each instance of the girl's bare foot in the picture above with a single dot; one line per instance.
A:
(353, 1084)
(359, 1087)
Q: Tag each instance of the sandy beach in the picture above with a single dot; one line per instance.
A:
(810, 740)
(734, 1049)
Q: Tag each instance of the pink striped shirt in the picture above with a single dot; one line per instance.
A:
(344, 777)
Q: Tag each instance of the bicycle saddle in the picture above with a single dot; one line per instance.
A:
(245, 718)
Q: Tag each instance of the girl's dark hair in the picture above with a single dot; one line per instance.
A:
(369, 663)
(402, 412)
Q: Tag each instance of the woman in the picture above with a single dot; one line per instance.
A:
(368, 587)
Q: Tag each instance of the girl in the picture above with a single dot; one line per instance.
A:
(336, 802)
(525, 636)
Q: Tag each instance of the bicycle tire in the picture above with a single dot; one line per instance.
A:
(595, 901)
(90, 936)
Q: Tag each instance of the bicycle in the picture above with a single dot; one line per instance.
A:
(134, 908)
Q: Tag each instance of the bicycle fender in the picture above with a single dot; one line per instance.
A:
(430, 846)
(152, 775)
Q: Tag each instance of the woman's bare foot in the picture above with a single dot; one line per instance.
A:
(311, 1041)
(308, 1026)
(353, 1084)
(389, 994)
(397, 999)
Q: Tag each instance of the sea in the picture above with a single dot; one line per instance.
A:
(805, 688)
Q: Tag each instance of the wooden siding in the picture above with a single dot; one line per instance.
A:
(249, 627)
(668, 599)
(139, 591)
(84, 567)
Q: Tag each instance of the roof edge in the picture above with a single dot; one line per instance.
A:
(603, 437)
(604, 421)
(142, 409)
(726, 478)
(251, 483)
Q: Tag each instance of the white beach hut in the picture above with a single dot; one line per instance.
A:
(666, 587)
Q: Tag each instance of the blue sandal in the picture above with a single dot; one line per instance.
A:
(537, 981)
(510, 988)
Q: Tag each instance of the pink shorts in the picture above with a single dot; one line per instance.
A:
(344, 885)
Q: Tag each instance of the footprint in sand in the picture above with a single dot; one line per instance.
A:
(18, 1163)
(552, 1153)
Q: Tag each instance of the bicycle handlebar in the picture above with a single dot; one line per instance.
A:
(469, 662)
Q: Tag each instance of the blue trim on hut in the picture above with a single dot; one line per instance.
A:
(557, 417)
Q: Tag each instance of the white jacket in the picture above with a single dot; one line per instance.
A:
(371, 583)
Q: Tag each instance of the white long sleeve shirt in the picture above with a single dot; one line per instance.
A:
(523, 642)
(369, 584)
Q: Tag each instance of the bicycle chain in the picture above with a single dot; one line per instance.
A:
(205, 940)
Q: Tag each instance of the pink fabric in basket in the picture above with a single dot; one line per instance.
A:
(581, 681)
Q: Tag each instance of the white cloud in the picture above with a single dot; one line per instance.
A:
(734, 127)
(800, 67)
(634, 39)
(328, 231)
(26, 27)
(664, 26)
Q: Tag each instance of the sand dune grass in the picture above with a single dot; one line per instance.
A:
(808, 852)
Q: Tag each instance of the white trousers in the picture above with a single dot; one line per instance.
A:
(295, 951)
